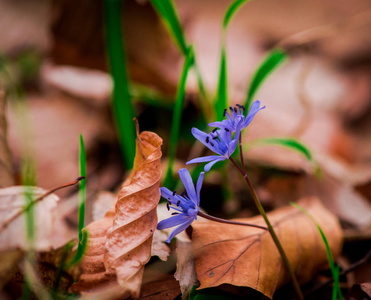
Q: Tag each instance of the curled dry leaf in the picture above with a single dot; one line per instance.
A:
(245, 256)
(120, 244)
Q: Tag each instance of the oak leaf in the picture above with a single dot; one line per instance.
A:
(120, 244)
(246, 256)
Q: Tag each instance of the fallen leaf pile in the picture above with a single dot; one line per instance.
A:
(245, 256)
(119, 245)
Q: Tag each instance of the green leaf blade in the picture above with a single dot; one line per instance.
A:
(222, 95)
(169, 16)
(231, 10)
(285, 142)
(274, 58)
(334, 268)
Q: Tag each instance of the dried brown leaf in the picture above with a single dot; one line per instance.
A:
(185, 268)
(120, 243)
(163, 288)
(245, 256)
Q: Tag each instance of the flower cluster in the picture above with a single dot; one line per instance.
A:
(223, 142)
(185, 205)
(220, 141)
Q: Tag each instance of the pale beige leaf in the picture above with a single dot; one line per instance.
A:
(50, 230)
(120, 244)
(102, 203)
(159, 248)
(245, 256)
(185, 268)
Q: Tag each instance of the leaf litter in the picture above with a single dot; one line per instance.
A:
(244, 256)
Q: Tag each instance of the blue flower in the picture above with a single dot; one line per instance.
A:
(219, 141)
(237, 119)
(185, 205)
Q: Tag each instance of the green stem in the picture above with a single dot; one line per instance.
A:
(270, 228)
(215, 219)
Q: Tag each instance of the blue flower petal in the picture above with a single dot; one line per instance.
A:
(199, 186)
(210, 164)
(203, 159)
(179, 229)
(222, 124)
(186, 178)
(201, 136)
(255, 107)
(173, 221)
(168, 195)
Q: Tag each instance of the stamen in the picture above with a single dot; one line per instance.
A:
(177, 204)
(215, 129)
(174, 213)
(239, 105)
(224, 113)
(235, 109)
(207, 139)
(231, 108)
(174, 192)
(226, 129)
(211, 144)
(183, 194)
(168, 206)
(215, 137)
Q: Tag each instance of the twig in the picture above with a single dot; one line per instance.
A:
(212, 218)
(27, 207)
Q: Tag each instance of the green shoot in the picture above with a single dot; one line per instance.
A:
(83, 235)
(169, 16)
(122, 107)
(177, 117)
(231, 10)
(222, 94)
(285, 142)
(270, 63)
(334, 269)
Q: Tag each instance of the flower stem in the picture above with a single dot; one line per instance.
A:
(212, 218)
(270, 227)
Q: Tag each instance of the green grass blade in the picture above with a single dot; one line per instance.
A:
(231, 10)
(270, 63)
(81, 248)
(83, 234)
(82, 187)
(285, 142)
(169, 16)
(177, 117)
(333, 267)
(122, 107)
(222, 95)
